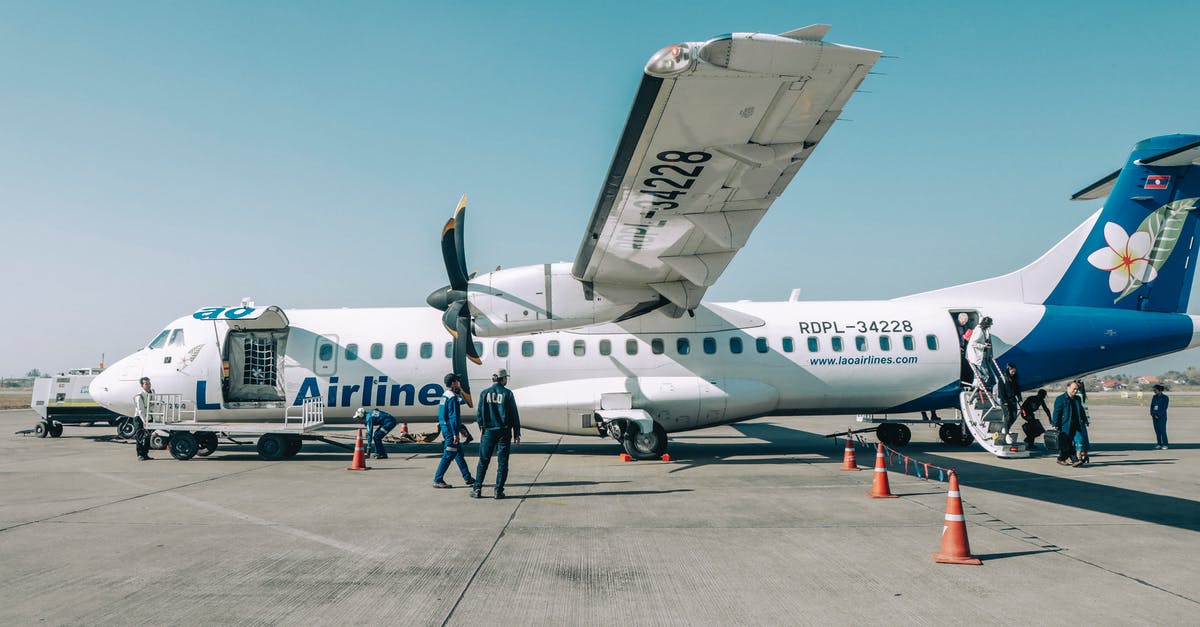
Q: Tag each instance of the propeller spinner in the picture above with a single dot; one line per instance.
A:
(452, 298)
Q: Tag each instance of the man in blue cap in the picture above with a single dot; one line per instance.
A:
(450, 423)
(501, 425)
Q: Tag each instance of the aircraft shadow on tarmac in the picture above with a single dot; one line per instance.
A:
(1152, 508)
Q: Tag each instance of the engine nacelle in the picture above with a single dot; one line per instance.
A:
(547, 297)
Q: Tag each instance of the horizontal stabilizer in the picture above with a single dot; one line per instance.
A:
(1099, 189)
(1188, 154)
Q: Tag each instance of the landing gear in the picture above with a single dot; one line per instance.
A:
(894, 433)
(184, 445)
(126, 428)
(158, 442)
(207, 442)
(643, 445)
(954, 434)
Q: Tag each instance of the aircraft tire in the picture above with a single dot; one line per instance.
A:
(56, 429)
(901, 434)
(294, 445)
(965, 438)
(41, 429)
(183, 445)
(271, 447)
(158, 442)
(126, 428)
(207, 441)
(950, 434)
(645, 445)
(886, 433)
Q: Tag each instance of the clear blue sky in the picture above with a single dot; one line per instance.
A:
(157, 157)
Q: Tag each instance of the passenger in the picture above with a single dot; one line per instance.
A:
(1068, 415)
(1032, 426)
(1010, 396)
(1082, 444)
(499, 425)
(141, 403)
(963, 330)
(979, 353)
(450, 422)
(1158, 415)
(382, 423)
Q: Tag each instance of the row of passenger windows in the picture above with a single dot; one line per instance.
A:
(683, 346)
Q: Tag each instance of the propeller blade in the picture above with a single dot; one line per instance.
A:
(458, 277)
(460, 231)
(459, 361)
(464, 335)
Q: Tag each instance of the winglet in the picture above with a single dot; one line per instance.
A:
(812, 32)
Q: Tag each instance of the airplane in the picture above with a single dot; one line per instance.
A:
(620, 342)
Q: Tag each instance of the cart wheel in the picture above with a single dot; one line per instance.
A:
(293, 446)
(207, 441)
(126, 428)
(271, 447)
(950, 434)
(56, 429)
(183, 445)
(41, 429)
(157, 442)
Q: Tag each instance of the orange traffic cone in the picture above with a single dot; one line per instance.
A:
(359, 462)
(880, 489)
(849, 462)
(626, 457)
(403, 428)
(666, 457)
(955, 547)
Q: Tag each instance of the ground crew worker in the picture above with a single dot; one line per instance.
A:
(141, 404)
(450, 422)
(382, 423)
(1158, 416)
(500, 425)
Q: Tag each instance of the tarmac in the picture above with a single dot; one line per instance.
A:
(751, 523)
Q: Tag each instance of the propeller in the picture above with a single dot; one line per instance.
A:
(452, 299)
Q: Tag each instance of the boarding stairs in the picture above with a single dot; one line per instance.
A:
(983, 415)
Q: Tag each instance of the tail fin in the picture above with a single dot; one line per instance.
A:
(1141, 252)
(1138, 252)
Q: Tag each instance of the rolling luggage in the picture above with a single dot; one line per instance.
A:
(1051, 439)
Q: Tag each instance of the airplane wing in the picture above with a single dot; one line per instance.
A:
(717, 131)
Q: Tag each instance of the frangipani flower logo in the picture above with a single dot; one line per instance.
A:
(1133, 260)
(1125, 258)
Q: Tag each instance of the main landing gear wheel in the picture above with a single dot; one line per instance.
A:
(207, 441)
(41, 429)
(641, 445)
(126, 428)
(158, 442)
(894, 433)
(293, 446)
(183, 445)
(272, 447)
(56, 429)
(950, 434)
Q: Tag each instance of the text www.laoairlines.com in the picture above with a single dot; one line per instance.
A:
(866, 360)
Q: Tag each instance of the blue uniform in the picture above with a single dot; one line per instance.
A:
(1158, 414)
(382, 423)
(500, 423)
(450, 423)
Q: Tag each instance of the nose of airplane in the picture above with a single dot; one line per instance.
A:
(111, 391)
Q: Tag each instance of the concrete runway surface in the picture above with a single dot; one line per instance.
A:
(751, 523)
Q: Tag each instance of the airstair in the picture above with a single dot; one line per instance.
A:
(983, 415)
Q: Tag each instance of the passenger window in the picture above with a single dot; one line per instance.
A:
(326, 352)
(735, 345)
(931, 342)
(760, 344)
(860, 343)
(885, 343)
(605, 347)
(683, 346)
(836, 343)
(814, 344)
(710, 346)
(351, 352)
(478, 348)
(580, 348)
(656, 346)
(527, 348)
(449, 350)
(502, 348)
(402, 350)
(909, 344)
(631, 347)
(552, 348)
(177, 337)
(426, 350)
(377, 351)
(788, 345)
(160, 340)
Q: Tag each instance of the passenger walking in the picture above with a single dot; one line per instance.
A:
(500, 425)
(141, 404)
(1010, 398)
(379, 423)
(1082, 443)
(962, 327)
(979, 353)
(1032, 426)
(1158, 415)
(1068, 415)
(450, 422)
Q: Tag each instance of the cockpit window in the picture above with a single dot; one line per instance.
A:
(161, 340)
(177, 337)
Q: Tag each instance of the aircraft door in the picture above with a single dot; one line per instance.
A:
(325, 356)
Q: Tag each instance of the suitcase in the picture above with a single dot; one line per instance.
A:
(1033, 428)
(1051, 439)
